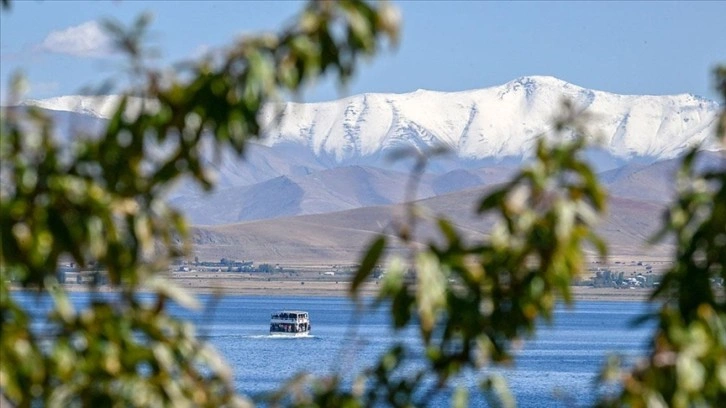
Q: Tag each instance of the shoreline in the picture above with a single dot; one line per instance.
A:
(335, 289)
(223, 286)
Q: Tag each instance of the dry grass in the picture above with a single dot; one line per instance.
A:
(341, 237)
(298, 285)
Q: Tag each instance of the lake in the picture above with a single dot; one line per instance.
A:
(557, 368)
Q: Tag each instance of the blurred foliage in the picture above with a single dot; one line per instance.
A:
(686, 366)
(470, 300)
(98, 200)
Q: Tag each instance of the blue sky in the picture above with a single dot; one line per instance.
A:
(622, 47)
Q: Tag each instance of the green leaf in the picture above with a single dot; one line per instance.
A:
(494, 199)
(430, 291)
(370, 260)
(159, 284)
(449, 231)
(497, 392)
(460, 398)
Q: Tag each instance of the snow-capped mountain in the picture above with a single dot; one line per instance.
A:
(495, 122)
(331, 156)
(492, 123)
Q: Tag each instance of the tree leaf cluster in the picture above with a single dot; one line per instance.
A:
(686, 365)
(98, 201)
(471, 300)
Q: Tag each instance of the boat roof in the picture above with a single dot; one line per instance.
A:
(289, 311)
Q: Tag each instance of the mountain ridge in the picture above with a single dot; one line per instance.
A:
(340, 237)
(333, 156)
(500, 121)
(495, 122)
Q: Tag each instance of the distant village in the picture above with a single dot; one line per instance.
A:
(635, 274)
(70, 273)
(618, 275)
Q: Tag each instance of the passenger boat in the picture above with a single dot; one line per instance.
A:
(290, 323)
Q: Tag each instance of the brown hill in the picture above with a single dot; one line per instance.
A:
(340, 237)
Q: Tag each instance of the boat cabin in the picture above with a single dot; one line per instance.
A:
(291, 322)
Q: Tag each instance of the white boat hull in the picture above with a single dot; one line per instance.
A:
(286, 334)
(290, 323)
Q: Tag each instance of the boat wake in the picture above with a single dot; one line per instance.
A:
(278, 337)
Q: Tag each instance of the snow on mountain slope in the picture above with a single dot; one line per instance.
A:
(323, 157)
(498, 122)
(100, 106)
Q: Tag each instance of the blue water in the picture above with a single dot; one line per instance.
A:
(557, 368)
